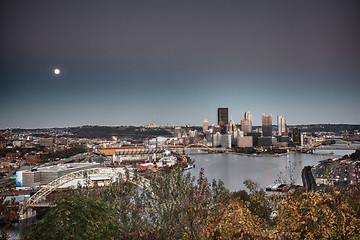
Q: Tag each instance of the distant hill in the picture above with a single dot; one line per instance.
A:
(129, 132)
(132, 132)
(322, 127)
(326, 127)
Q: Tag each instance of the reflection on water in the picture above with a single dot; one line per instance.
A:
(233, 169)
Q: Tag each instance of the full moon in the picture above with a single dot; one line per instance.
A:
(57, 71)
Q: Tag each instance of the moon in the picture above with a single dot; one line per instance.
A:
(57, 71)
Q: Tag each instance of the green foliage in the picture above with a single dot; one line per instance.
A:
(130, 206)
(178, 204)
(258, 202)
(76, 216)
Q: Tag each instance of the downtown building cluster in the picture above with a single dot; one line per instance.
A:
(226, 133)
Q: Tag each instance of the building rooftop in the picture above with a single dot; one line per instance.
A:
(62, 167)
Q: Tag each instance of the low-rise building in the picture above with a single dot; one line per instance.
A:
(44, 175)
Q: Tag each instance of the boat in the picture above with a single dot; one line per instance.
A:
(189, 167)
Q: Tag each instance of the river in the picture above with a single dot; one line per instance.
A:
(233, 169)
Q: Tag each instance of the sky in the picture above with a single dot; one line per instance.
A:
(139, 62)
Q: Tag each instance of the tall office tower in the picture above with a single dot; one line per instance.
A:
(205, 126)
(267, 125)
(247, 116)
(246, 124)
(223, 116)
(223, 119)
(297, 137)
(281, 126)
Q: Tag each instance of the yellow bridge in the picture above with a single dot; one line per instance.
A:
(350, 146)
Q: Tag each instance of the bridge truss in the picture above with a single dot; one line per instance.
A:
(320, 146)
(112, 172)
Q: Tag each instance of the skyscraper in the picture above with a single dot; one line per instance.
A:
(282, 130)
(231, 127)
(223, 118)
(297, 137)
(246, 124)
(267, 125)
(247, 116)
(205, 126)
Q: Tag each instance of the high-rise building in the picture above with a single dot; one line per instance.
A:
(267, 125)
(297, 137)
(247, 116)
(246, 124)
(282, 129)
(231, 127)
(205, 126)
(223, 118)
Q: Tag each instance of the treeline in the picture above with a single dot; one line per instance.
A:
(107, 132)
(251, 150)
(19, 150)
(326, 127)
(246, 150)
(175, 206)
(73, 150)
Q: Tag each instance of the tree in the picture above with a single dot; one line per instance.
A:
(355, 155)
(7, 215)
(130, 205)
(259, 203)
(179, 205)
(76, 216)
(315, 215)
(233, 221)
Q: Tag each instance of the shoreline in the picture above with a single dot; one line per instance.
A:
(265, 155)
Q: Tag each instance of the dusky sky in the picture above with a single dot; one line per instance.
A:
(135, 62)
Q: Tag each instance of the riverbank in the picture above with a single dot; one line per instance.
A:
(266, 155)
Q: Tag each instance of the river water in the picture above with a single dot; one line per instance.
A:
(233, 169)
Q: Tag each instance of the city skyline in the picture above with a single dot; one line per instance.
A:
(137, 62)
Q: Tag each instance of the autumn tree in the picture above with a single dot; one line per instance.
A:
(315, 215)
(233, 220)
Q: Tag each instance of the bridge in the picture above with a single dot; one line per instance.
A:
(350, 146)
(112, 172)
(196, 146)
(335, 148)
